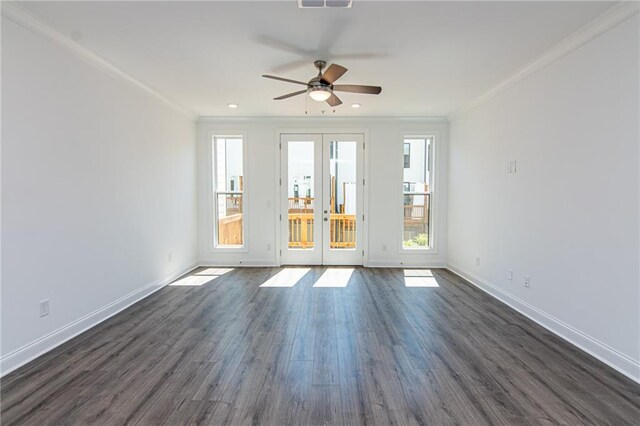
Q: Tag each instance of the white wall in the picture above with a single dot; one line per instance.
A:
(384, 182)
(569, 217)
(98, 186)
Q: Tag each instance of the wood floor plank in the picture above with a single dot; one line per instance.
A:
(230, 351)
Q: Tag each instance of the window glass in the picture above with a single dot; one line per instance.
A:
(229, 191)
(416, 192)
(300, 188)
(407, 155)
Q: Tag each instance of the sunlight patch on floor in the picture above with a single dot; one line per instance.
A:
(201, 277)
(419, 278)
(334, 277)
(288, 277)
(214, 271)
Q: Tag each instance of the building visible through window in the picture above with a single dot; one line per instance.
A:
(407, 155)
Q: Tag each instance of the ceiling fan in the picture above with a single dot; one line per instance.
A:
(320, 88)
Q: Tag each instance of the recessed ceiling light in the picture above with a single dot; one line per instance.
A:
(232, 105)
(356, 105)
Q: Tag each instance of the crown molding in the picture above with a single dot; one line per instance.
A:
(29, 22)
(332, 119)
(603, 23)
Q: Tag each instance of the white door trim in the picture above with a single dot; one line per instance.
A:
(306, 256)
(343, 256)
(280, 212)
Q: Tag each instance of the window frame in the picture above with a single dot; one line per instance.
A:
(213, 193)
(429, 161)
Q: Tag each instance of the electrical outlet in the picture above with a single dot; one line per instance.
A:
(510, 275)
(44, 308)
(527, 281)
(477, 260)
(169, 257)
(384, 247)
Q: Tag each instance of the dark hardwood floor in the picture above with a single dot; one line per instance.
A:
(229, 351)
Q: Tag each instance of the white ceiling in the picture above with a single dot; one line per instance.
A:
(431, 58)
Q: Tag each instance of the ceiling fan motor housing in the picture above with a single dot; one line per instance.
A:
(320, 64)
(317, 88)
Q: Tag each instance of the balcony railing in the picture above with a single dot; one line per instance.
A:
(230, 216)
(232, 202)
(301, 205)
(300, 230)
(416, 212)
(415, 230)
(342, 230)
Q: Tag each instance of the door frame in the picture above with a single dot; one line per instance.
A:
(343, 256)
(309, 256)
(278, 223)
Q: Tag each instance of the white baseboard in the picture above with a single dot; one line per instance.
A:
(398, 264)
(44, 344)
(610, 356)
(270, 263)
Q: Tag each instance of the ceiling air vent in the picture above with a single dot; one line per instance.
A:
(310, 4)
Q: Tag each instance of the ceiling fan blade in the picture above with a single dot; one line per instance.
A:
(357, 88)
(273, 77)
(291, 66)
(334, 100)
(333, 73)
(289, 95)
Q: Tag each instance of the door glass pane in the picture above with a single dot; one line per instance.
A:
(415, 186)
(342, 171)
(300, 188)
(229, 187)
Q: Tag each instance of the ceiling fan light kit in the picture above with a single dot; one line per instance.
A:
(319, 94)
(321, 88)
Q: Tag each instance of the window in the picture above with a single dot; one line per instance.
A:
(406, 188)
(416, 193)
(228, 193)
(407, 155)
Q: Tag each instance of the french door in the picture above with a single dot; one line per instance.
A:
(322, 199)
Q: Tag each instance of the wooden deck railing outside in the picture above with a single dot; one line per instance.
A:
(342, 229)
(230, 230)
(233, 205)
(300, 230)
(301, 205)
